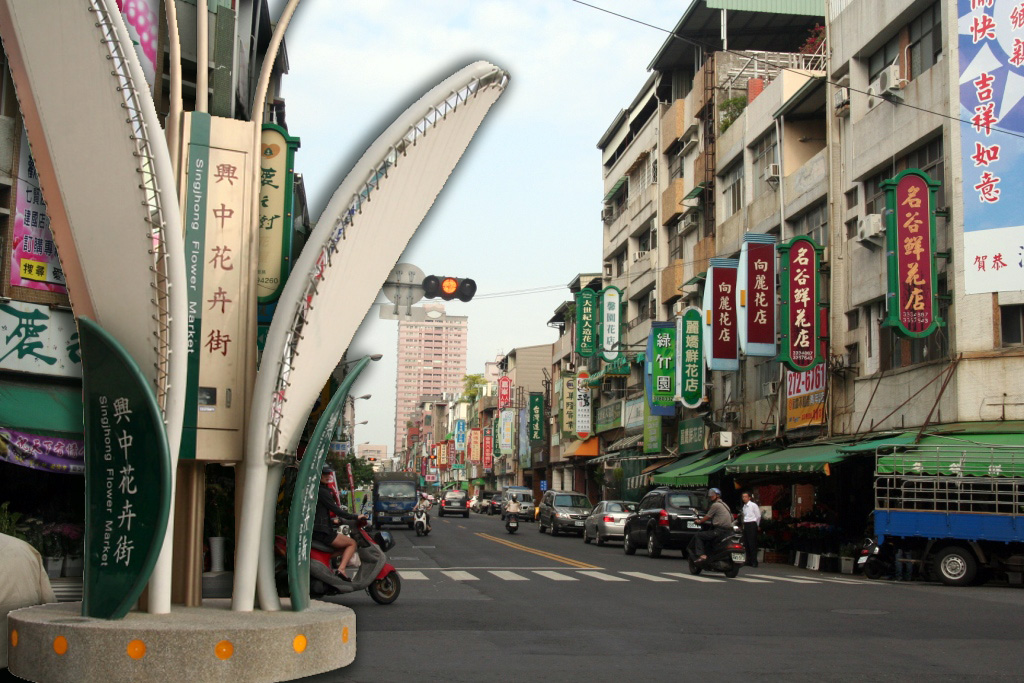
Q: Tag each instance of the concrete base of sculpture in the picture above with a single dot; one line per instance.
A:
(209, 643)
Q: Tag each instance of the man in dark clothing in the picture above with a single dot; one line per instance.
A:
(721, 524)
(323, 527)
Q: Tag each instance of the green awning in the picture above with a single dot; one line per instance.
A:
(478, 482)
(696, 470)
(615, 188)
(695, 192)
(42, 407)
(696, 279)
(872, 445)
(960, 455)
(798, 459)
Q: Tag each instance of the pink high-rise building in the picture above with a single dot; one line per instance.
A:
(431, 362)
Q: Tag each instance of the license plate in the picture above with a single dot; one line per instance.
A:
(580, 523)
(739, 558)
(513, 524)
(692, 525)
(862, 560)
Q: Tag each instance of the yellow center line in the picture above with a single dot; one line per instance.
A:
(551, 556)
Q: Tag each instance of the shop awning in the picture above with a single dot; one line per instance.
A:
(478, 482)
(39, 407)
(798, 459)
(696, 279)
(693, 470)
(657, 465)
(615, 188)
(960, 455)
(695, 192)
(582, 448)
(872, 445)
(625, 443)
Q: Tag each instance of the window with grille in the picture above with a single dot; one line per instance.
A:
(925, 41)
(765, 152)
(732, 189)
(814, 224)
(1011, 326)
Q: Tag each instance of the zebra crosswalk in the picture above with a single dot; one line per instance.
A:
(470, 575)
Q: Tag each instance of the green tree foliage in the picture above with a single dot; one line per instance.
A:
(471, 387)
(362, 471)
(731, 110)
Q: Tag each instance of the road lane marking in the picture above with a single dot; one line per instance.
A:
(745, 579)
(646, 577)
(460, 526)
(460, 576)
(781, 578)
(509, 576)
(693, 577)
(413, 575)
(602, 576)
(551, 556)
(555, 576)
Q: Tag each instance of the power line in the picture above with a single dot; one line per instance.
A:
(823, 79)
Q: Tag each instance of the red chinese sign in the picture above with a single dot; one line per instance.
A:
(488, 448)
(504, 392)
(724, 337)
(800, 349)
(474, 445)
(760, 294)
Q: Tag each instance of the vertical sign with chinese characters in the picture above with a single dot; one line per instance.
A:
(442, 455)
(689, 358)
(127, 476)
(586, 322)
(488, 446)
(652, 431)
(805, 397)
(474, 445)
(691, 435)
(34, 262)
(568, 405)
(460, 436)
(506, 422)
(504, 392)
(800, 320)
(663, 371)
(991, 86)
(611, 322)
(910, 233)
(523, 436)
(277, 171)
(755, 281)
(721, 347)
(536, 417)
(583, 407)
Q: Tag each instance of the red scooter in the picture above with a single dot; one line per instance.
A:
(375, 573)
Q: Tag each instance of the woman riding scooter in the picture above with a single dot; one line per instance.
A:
(512, 511)
(323, 527)
(425, 503)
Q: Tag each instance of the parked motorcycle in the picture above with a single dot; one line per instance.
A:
(512, 523)
(876, 561)
(726, 555)
(375, 574)
(419, 522)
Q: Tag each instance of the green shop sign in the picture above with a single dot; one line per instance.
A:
(536, 427)
(586, 322)
(609, 416)
(690, 358)
(127, 476)
(663, 391)
(652, 431)
(691, 435)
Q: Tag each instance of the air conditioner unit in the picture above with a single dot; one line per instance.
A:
(720, 440)
(890, 81)
(874, 94)
(570, 366)
(870, 227)
(608, 270)
(637, 255)
(772, 172)
(608, 214)
(690, 221)
(841, 101)
(770, 388)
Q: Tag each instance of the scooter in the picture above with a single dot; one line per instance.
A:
(876, 561)
(512, 522)
(727, 555)
(419, 522)
(375, 574)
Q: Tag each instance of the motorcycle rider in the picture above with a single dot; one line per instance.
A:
(425, 503)
(512, 507)
(720, 518)
(324, 529)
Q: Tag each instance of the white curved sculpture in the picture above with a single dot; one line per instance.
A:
(357, 241)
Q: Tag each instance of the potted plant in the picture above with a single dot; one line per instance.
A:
(51, 549)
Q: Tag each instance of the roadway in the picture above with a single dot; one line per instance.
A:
(478, 604)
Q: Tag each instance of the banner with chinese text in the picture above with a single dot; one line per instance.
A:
(586, 322)
(663, 367)
(38, 339)
(277, 171)
(488, 447)
(755, 281)
(800, 277)
(690, 358)
(460, 436)
(805, 397)
(505, 427)
(583, 407)
(34, 262)
(474, 445)
(536, 416)
(569, 405)
(721, 340)
(652, 431)
(611, 322)
(504, 392)
(991, 79)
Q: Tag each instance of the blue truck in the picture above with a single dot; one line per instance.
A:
(957, 511)
(394, 497)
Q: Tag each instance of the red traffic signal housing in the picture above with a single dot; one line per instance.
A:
(448, 288)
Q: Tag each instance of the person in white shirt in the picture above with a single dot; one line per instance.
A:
(751, 521)
(24, 584)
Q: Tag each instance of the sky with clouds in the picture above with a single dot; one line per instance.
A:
(522, 209)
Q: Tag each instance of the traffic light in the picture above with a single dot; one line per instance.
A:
(448, 288)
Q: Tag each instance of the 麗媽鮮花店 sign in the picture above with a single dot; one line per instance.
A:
(800, 323)
(690, 358)
(721, 339)
(911, 236)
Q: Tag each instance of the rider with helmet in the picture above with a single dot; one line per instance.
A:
(425, 502)
(720, 518)
(323, 528)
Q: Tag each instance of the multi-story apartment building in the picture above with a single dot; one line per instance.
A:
(431, 361)
(526, 367)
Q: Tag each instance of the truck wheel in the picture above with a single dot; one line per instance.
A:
(955, 566)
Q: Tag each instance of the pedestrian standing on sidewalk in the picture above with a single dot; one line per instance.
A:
(751, 522)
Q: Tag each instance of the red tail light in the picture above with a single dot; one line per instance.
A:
(736, 546)
(609, 519)
(663, 518)
(443, 503)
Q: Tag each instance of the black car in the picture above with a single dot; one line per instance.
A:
(493, 506)
(665, 518)
(454, 503)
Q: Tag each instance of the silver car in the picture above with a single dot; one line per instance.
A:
(607, 521)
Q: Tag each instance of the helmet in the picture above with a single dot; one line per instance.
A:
(327, 469)
(717, 492)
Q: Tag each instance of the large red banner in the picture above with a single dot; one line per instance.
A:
(802, 322)
(724, 340)
(914, 254)
(488, 449)
(761, 290)
(504, 392)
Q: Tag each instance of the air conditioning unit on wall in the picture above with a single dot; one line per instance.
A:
(770, 388)
(637, 255)
(841, 101)
(772, 172)
(874, 95)
(720, 440)
(891, 81)
(870, 227)
(608, 214)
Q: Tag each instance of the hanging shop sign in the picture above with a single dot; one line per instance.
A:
(536, 428)
(277, 179)
(523, 436)
(611, 322)
(800, 259)
(990, 90)
(38, 452)
(690, 358)
(488, 448)
(633, 414)
(504, 392)
(507, 420)
(39, 339)
(568, 405)
(910, 232)
(721, 340)
(652, 369)
(663, 366)
(652, 430)
(474, 445)
(460, 436)
(34, 262)
(608, 416)
(442, 455)
(691, 435)
(583, 407)
(586, 322)
(805, 397)
(127, 476)
(755, 280)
